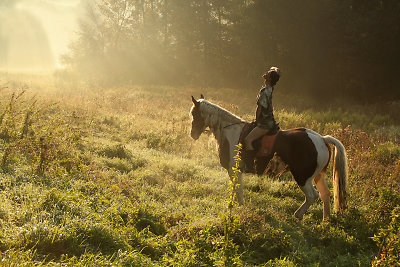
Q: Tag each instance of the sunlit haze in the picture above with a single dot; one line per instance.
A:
(341, 49)
(34, 33)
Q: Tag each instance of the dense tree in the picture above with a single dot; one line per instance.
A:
(325, 47)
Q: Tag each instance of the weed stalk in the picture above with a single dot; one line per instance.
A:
(4, 160)
(43, 153)
(230, 218)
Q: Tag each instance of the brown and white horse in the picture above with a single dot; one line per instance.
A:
(305, 152)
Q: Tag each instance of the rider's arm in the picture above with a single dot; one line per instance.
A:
(258, 112)
(262, 102)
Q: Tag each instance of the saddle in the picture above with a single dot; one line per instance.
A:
(263, 149)
(264, 144)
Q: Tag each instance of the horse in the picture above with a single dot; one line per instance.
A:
(305, 152)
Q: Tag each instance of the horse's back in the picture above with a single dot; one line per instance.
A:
(297, 149)
(293, 131)
(297, 137)
(305, 140)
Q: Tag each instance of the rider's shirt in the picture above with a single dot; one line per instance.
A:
(264, 99)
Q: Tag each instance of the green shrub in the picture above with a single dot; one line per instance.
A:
(138, 162)
(281, 262)
(203, 248)
(99, 238)
(265, 245)
(388, 240)
(59, 206)
(167, 141)
(357, 224)
(73, 239)
(146, 243)
(285, 189)
(151, 176)
(116, 151)
(48, 240)
(387, 153)
(121, 165)
(132, 259)
(146, 219)
(383, 206)
(112, 121)
(179, 171)
(137, 135)
(17, 257)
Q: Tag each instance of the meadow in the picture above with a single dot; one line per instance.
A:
(97, 177)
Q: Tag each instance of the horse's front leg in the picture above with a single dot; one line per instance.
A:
(237, 180)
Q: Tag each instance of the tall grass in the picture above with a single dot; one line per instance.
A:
(111, 177)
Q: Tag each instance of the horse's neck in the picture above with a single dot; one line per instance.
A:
(217, 129)
(220, 128)
(219, 119)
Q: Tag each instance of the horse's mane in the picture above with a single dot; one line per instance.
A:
(214, 114)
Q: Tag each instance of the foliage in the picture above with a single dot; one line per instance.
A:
(388, 153)
(230, 43)
(388, 240)
(386, 202)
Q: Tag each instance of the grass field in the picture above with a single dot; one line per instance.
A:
(96, 177)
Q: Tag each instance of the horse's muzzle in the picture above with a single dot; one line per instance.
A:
(194, 135)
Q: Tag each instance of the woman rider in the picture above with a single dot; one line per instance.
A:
(265, 121)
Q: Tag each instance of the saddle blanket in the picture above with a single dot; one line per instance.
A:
(264, 144)
(267, 143)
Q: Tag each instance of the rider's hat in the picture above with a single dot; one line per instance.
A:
(273, 69)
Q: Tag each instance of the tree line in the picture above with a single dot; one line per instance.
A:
(324, 47)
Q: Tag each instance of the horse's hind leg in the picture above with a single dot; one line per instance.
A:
(311, 196)
(324, 194)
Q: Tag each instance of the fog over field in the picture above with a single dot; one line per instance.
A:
(329, 49)
(34, 33)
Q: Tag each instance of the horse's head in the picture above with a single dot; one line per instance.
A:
(198, 122)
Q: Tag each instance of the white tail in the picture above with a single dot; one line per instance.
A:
(339, 173)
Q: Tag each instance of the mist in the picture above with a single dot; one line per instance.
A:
(342, 49)
(35, 33)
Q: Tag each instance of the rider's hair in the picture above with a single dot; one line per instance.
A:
(274, 77)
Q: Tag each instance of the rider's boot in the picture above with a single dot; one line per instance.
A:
(248, 160)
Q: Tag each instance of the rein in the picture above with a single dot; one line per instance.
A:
(215, 125)
(222, 128)
(229, 125)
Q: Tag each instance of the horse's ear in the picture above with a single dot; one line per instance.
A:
(201, 96)
(194, 101)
